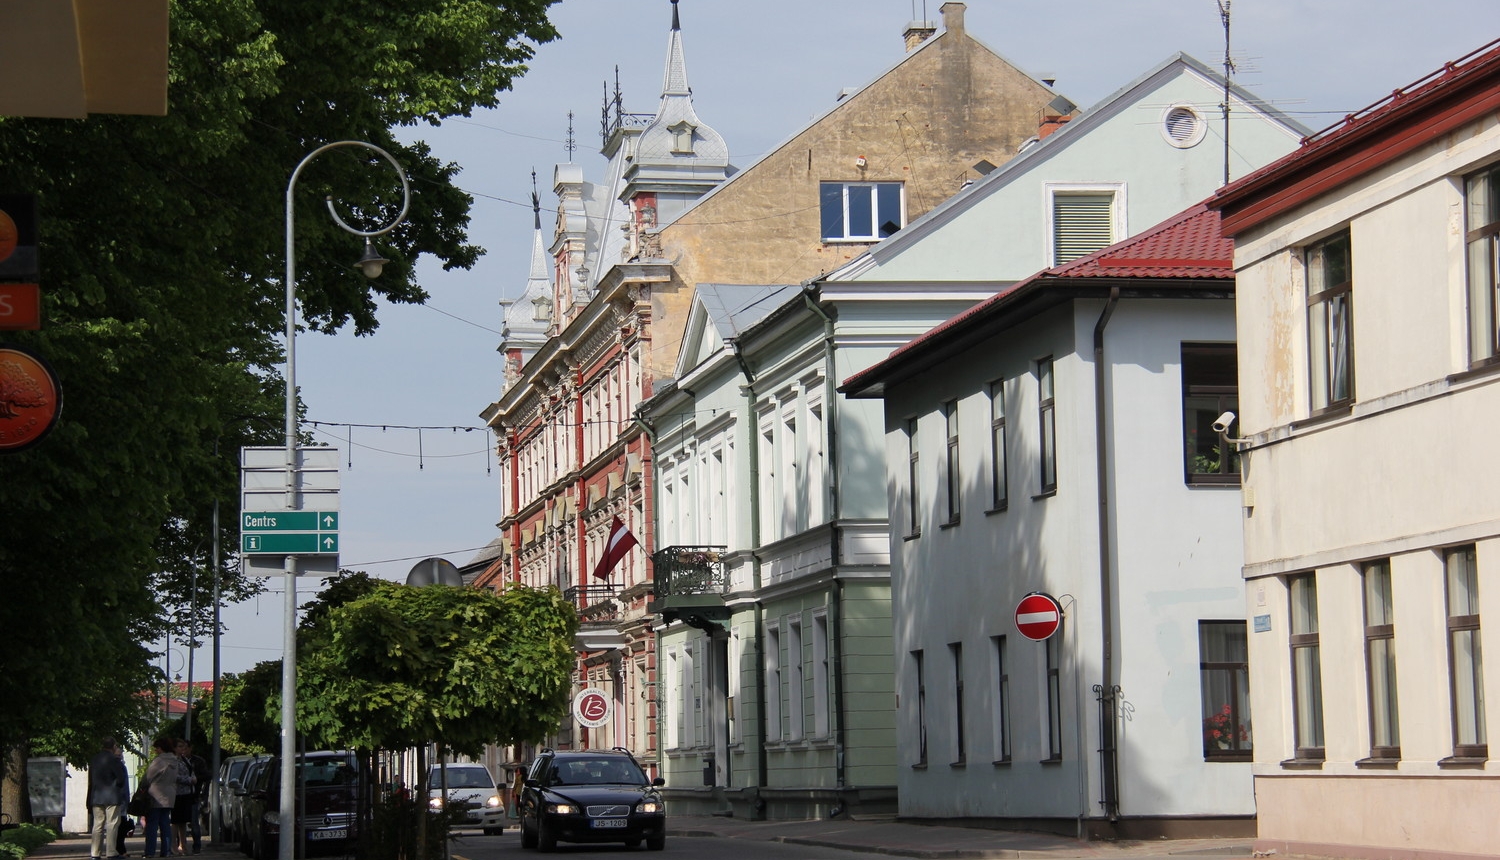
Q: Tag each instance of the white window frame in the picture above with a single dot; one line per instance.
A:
(1119, 227)
(796, 687)
(772, 691)
(848, 234)
(822, 673)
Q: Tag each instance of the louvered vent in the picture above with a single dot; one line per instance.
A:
(1081, 225)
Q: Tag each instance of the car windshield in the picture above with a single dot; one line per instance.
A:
(461, 777)
(597, 771)
(325, 772)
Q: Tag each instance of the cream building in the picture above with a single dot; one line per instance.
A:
(1369, 386)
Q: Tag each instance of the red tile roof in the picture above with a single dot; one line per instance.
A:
(1188, 247)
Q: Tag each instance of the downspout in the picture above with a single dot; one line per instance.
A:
(752, 454)
(658, 686)
(1107, 691)
(830, 448)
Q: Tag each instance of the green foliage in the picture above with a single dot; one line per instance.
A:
(26, 837)
(251, 706)
(162, 262)
(394, 827)
(403, 666)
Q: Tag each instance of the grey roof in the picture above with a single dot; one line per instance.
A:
(733, 308)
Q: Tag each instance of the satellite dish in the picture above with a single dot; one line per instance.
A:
(434, 571)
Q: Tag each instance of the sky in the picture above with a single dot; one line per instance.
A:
(760, 70)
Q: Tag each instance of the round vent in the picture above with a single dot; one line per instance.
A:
(1182, 126)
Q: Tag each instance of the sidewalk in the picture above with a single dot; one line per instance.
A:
(889, 836)
(873, 835)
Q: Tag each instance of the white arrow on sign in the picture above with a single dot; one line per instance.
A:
(328, 521)
(329, 543)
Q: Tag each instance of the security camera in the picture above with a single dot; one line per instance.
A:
(1221, 424)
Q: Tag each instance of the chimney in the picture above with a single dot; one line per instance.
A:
(918, 32)
(953, 17)
(1050, 124)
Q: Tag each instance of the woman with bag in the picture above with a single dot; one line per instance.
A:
(160, 782)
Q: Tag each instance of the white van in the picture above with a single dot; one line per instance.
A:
(471, 783)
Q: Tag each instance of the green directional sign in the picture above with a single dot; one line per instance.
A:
(289, 521)
(289, 532)
(290, 543)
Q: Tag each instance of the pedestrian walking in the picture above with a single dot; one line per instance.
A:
(108, 794)
(199, 798)
(182, 804)
(161, 784)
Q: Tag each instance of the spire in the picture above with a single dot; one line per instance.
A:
(675, 82)
(536, 202)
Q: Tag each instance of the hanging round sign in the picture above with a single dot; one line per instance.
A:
(30, 398)
(1038, 616)
(591, 707)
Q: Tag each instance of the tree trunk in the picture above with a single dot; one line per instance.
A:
(15, 802)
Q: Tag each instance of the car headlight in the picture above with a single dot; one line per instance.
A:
(493, 801)
(562, 809)
(435, 803)
(649, 806)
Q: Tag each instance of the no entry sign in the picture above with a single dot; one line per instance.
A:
(1038, 616)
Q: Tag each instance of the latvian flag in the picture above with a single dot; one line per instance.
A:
(616, 547)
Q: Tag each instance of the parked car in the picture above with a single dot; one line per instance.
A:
(591, 796)
(468, 783)
(330, 790)
(223, 801)
(239, 812)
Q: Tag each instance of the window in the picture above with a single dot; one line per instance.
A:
(1210, 387)
(773, 684)
(1482, 226)
(1002, 703)
(861, 211)
(1224, 681)
(1307, 679)
(682, 136)
(1465, 665)
(999, 497)
(822, 677)
(1380, 662)
(692, 698)
(954, 476)
(1054, 697)
(795, 691)
(916, 659)
(675, 695)
(1330, 330)
(1083, 221)
(1046, 405)
(956, 649)
(913, 480)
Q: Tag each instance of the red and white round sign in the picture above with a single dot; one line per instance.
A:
(591, 707)
(1038, 616)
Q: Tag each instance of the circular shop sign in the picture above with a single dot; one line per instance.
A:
(1038, 616)
(30, 398)
(591, 707)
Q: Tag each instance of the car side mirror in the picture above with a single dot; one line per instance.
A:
(658, 782)
(234, 785)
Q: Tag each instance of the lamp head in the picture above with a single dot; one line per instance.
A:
(371, 263)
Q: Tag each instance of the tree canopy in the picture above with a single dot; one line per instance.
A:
(161, 252)
(402, 666)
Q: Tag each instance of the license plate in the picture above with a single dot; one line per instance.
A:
(328, 834)
(600, 823)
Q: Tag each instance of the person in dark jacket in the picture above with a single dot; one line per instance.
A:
(108, 794)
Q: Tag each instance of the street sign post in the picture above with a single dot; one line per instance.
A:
(270, 529)
(1038, 616)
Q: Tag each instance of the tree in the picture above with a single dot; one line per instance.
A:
(404, 666)
(161, 248)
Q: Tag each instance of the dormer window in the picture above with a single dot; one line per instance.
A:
(682, 136)
(541, 309)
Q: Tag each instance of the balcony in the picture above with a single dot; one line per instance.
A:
(598, 615)
(690, 585)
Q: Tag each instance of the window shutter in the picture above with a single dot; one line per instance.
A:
(1081, 225)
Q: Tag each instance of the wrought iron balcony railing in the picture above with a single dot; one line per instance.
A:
(595, 603)
(683, 570)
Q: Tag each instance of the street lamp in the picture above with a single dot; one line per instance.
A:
(371, 264)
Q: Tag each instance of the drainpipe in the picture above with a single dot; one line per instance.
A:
(752, 454)
(830, 447)
(1107, 691)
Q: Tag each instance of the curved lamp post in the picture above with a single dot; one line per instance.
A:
(370, 263)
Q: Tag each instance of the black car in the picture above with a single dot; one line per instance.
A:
(329, 792)
(591, 796)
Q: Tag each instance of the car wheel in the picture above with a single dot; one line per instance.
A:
(546, 836)
(656, 843)
(528, 836)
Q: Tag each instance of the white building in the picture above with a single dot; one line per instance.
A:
(1370, 387)
(1058, 438)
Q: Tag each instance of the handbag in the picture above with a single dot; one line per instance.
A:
(140, 802)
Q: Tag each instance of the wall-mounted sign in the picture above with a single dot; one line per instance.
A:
(30, 398)
(592, 707)
(18, 238)
(1262, 624)
(1038, 616)
(20, 307)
